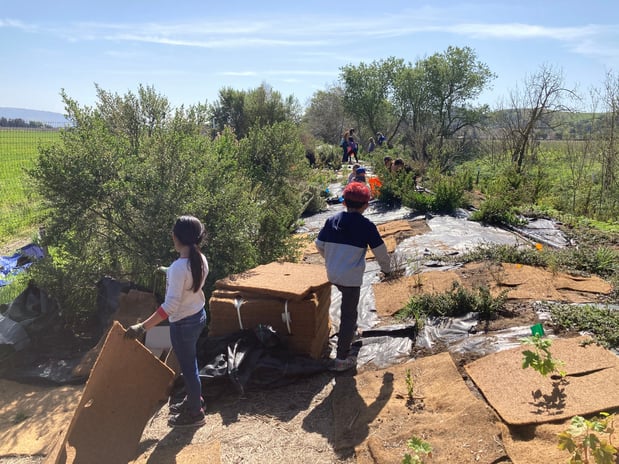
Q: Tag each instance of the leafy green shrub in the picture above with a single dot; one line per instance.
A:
(401, 188)
(272, 157)
(313, 200)
(487, 305)
(72, 283)
(419, 201)
(448, 194)
(599, 260)
(495, 211)
(389, 193)
(17, 284)
(502, 253)
(117, 179)
(398, 188)
(455, 302)
(614, 293)
(602, 323)
(329, 157)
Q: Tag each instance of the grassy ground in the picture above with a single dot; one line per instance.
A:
(19, 206)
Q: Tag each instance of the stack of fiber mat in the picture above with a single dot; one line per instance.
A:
(292, 298)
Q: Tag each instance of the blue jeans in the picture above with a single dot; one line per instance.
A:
(184, 336)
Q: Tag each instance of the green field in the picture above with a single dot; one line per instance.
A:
(19, 206)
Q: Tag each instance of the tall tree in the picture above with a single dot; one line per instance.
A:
(455, 78)
(228, 111)
(609, 159)
(533, 108)
(437, 93)
(369, 91)
(262, 106)
(325, 118)
(273, 157)
(424, 104)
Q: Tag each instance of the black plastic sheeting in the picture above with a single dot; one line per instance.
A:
(35, 345)
(251, 360)
(108, 301)
(257, 359)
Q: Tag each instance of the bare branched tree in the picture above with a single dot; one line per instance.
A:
(533, 108)
(609, 149)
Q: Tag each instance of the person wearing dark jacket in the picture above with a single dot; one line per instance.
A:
(345, 148)
(353, 149)
(343, 242)
(371, 145)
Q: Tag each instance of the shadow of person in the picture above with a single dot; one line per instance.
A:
(348, 412)
(169, 446)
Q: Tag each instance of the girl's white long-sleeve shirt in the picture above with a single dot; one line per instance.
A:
(180, 299)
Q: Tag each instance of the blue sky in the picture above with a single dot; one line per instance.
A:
(189, 50)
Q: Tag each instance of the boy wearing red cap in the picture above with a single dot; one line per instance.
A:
(343, 242)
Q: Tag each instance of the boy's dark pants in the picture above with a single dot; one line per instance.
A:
(348, 319)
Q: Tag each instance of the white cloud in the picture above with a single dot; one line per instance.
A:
(281, 72)
(310, 31)
(238, 73)
(237, 42)
(522, 31)
(16, 24)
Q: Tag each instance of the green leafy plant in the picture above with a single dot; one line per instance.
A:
(503, 253)
(420, 449)
(599, 260)
(448, 194)
(410, 386)
(497, 211)
(541, 358)
(455, 302)
(601, 322)
(585, 441)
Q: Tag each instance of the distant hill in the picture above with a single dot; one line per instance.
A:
(47, 117)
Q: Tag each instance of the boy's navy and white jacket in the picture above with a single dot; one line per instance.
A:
(343, 242)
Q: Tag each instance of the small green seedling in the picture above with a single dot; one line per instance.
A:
(410, 386)
(420, 449)
(585, 441)
(541, 359)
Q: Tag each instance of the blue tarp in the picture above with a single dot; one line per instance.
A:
(10, 266)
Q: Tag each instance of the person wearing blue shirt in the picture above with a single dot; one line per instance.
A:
(380, 138)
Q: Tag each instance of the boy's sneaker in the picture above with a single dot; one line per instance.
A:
(186, 419)
(177, 408)
(340, 365)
